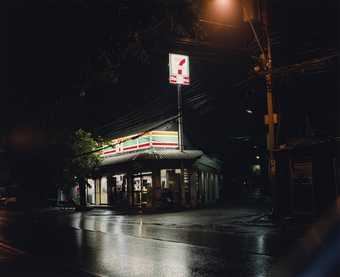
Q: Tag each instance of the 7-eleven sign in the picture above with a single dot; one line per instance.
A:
(179, 69)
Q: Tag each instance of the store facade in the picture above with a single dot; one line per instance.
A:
(147, 170)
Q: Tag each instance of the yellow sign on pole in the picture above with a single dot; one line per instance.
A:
(275, 119)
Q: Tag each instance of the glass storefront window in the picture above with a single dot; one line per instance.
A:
(164, 182)
(121, 187)
(103, 191)
(170, 180)
(76, 194)
(142, 190)
(90, 192)
(97, 191)
(136, 184)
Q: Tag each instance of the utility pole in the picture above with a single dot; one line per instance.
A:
(271, 143)
(271, 117)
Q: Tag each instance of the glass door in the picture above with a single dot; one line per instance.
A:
(142, 185)
(103, 191)
(137, 192)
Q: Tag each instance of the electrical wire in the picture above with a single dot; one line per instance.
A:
(310, 65)
(149, 113)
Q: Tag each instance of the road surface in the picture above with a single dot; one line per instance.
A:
(208, 242)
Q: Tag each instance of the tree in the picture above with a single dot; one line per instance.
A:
(86, 54)
(40, 162)
(133, 33)
(80, 162)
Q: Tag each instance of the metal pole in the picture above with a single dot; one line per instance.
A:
(180, 119)
(180, 143)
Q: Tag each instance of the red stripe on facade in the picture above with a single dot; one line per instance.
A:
(130, 147)
(108, 152)
(167, 146)
(144, 144)
(165, 143)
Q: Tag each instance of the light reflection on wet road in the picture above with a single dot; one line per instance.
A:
(174, 244)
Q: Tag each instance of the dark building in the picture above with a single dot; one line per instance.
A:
(308, 176)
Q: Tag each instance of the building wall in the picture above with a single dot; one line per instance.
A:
(310, 174)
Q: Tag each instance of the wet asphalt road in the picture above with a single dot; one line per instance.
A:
(211, 242)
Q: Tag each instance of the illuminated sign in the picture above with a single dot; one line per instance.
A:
(153, 139)
(179, 69)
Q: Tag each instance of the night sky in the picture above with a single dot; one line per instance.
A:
(59, 78)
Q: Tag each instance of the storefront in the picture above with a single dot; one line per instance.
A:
(147, 170)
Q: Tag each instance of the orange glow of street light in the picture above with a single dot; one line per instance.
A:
(223, 3)
(221, 10)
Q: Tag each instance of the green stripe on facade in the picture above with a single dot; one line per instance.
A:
(164, 138)
(130, 142)
(144, 139)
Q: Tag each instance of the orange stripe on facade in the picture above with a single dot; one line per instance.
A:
(164, 133)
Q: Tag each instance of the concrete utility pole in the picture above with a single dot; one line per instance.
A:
(271, 117)
(271, 143)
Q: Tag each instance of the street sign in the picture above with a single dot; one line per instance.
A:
(272, 167)
(274, 119)
(179, 69)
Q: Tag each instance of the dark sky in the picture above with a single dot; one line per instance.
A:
(57, 77)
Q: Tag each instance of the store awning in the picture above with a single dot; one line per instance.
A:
(156, 154)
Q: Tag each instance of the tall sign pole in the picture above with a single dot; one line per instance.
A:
(180, 118)
(179, 75)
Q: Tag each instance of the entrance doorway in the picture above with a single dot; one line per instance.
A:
(100, 191)
(142, 190)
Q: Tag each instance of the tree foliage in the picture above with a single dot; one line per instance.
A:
(133, 30)
(80, 161)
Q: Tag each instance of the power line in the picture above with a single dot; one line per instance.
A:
(311, 64)
(160, 102)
